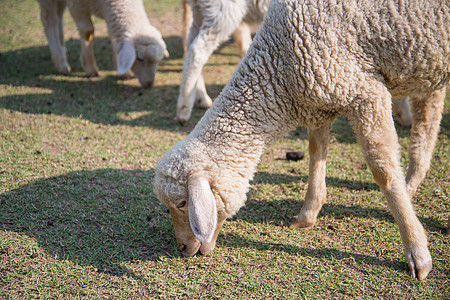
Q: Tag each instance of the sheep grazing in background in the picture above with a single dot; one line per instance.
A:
(400, 109)
(311, 61)
(137, 44)
(213, 23)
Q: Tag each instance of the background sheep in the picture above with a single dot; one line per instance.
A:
(300, 70)
(400, 109)
(213, 23)
(137, 44)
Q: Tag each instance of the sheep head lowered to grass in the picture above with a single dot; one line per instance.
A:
(308, 64)
(137, 44)
(142, 56)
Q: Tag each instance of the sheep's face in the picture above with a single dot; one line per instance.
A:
(142, 56)
(149, 52)
(194, 213)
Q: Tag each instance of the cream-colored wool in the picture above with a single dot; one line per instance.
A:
(137, 44)
(310, 62)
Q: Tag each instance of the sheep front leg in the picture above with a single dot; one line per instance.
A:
(197, 55)
(427, 114)
(316, 193)
(243, 38)
(52, 19)
(86, 31)
(374, 127)
(209, 29)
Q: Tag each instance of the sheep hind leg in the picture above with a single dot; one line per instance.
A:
(377, 138)
(316, 192)
(52, 19)
(427, 114)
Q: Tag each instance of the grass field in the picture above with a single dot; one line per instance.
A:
(79, 219)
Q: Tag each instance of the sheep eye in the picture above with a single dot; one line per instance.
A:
(181, 204)
(139, 59)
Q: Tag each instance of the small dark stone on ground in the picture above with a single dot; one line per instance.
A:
(331, 227)
(296, 155)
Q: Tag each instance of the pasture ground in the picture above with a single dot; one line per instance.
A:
(79, 219)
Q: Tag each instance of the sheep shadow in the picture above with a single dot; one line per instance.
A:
(342, 131)
(105, 99)
(97, 218)
(283, 212)
(233, 240)
(105, 217)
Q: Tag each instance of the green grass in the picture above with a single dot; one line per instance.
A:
(79, 219)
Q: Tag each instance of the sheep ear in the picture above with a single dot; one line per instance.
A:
(126, 58)
(202, 210)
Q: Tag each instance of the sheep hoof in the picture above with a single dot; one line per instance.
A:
(422, 272)
(204, 102)
(181, 120)
(302, 224)
(419, 261)
(92, 74)
(65, 70)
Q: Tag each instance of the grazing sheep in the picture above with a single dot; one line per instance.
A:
(213, 23)
(400, 108)
(310, 62)
(137, 44)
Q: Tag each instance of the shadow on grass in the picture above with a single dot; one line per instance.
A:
(241, 242)
(356, 185)
(343, 132)
(97, 218)
(283, 212)
(105, 217)
(100, 100)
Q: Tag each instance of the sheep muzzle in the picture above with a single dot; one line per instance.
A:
(187, 242)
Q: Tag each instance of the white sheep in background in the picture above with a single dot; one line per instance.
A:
(213, 23)
(136, 43)
(311, 61)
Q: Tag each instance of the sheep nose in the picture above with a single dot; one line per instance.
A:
(146, 84)
(183, 247)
